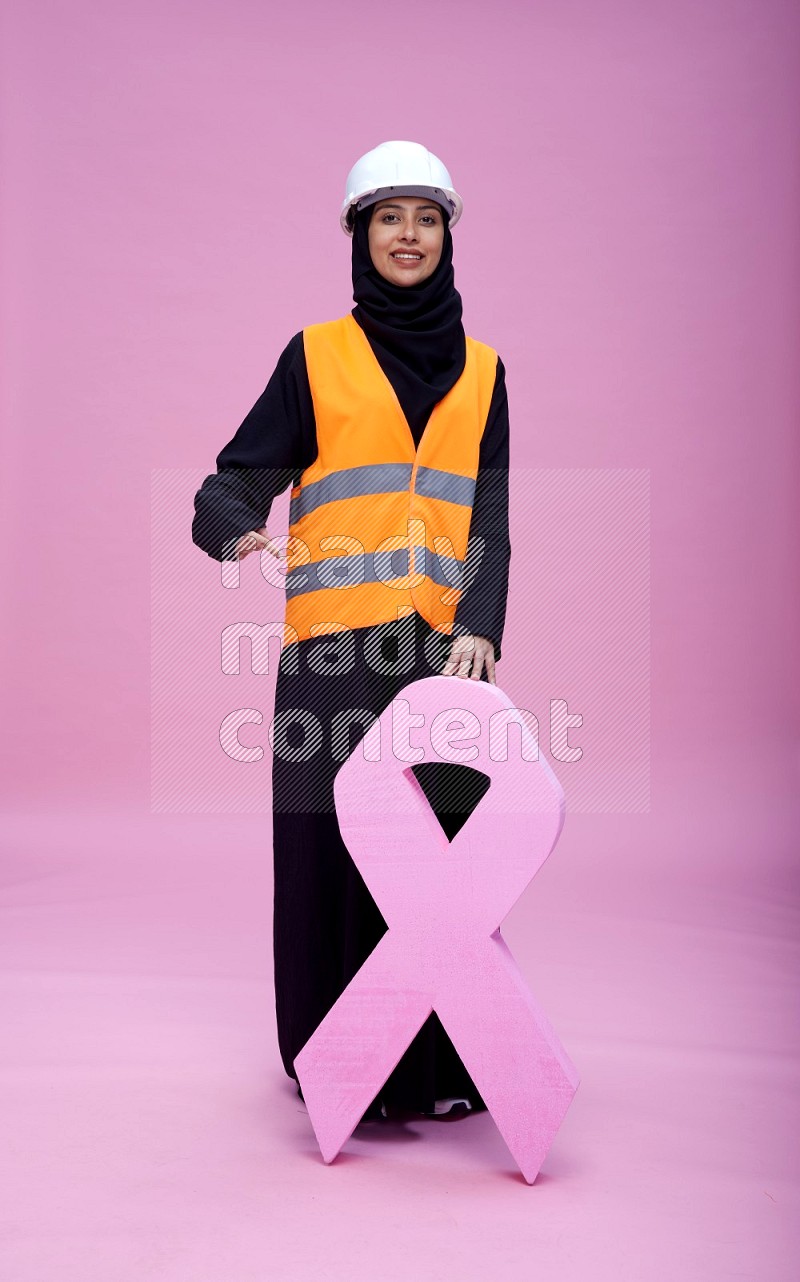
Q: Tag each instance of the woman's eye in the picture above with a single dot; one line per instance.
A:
(428, 218)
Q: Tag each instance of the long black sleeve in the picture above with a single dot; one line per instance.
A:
(482, 607)
(273, 445)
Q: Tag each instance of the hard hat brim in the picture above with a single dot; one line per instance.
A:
(363, 199)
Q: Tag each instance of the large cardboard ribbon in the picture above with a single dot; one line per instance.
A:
(443, 902)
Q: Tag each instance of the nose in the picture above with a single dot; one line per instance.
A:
(409, 232)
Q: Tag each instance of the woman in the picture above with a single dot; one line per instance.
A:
(343, 417)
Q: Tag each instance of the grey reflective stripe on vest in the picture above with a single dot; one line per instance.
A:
(381, 478)
(445, 570)
(347, 571)
(350, 483)
(372, 567)
(432, 483)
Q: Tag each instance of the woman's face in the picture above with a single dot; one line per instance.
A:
(406, 234)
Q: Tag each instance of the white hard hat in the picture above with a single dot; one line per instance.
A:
(402, 169)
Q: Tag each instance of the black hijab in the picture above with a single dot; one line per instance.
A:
(415, 331)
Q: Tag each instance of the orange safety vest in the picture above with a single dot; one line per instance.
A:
(380, 526)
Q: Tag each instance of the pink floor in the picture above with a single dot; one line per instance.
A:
(150, 1132)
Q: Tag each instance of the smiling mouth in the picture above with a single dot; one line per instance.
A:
(406, 258)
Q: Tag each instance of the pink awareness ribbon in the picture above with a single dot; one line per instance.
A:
(443, 902)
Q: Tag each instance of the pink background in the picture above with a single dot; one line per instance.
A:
(173, 178)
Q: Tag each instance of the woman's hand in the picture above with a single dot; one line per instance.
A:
(471, 652)
(257, 540)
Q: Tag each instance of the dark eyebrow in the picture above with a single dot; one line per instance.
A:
(418, 209)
